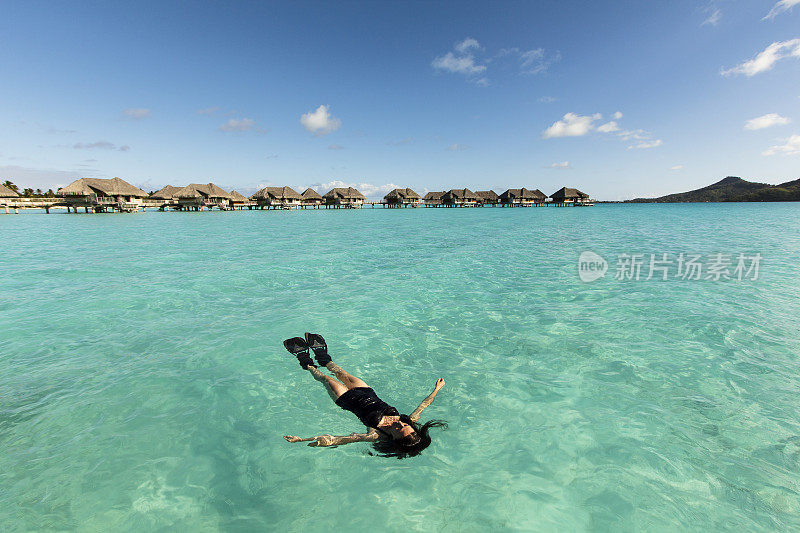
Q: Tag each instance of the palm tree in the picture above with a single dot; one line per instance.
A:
(11, 186)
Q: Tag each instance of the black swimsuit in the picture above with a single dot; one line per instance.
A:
(365, 404)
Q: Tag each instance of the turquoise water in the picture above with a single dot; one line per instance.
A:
(144, 387)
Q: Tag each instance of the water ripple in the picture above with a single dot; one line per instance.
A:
(143, 385)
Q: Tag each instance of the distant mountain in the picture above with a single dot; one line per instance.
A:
(733, 189)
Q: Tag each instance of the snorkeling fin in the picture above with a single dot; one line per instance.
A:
(297, 346)
(317, 343)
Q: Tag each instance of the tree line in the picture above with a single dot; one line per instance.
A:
(30, 193)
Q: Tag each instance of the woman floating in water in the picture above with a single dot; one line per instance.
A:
(392, 434)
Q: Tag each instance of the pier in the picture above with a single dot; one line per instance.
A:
(95, 195)
(18, 205)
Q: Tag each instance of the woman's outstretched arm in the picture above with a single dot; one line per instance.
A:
(427, 401)
(334, 440)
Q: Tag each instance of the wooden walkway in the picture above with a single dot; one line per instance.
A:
(16, 205)
(538, 204)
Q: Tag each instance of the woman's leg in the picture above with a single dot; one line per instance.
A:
(334, 388)
(350, 381)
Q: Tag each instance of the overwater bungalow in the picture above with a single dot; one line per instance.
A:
(487, 197)
(101, 195)
(343, 197)
(196, 196)
(460, 198)
(566, 195)
(402, 198)
(311, 198)
(238, 200)
(5, 192)
(277, 198)
(433, 198)
(522, 197)
(5, 195)
(167, 193)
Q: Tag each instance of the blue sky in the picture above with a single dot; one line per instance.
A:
(619, 99)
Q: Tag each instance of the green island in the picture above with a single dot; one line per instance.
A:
(732, 189)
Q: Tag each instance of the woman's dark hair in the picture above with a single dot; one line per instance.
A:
(410, 446)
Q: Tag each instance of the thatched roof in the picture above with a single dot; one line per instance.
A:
(101, 187)
(311, 194)
(199, 190)
(236, 197)
(5, 192)
(433, 195)
(402, 194)
(459, 194)
(566, 193)
(276, 193)
(487, 196)
(523, 194)
(167, 193)
(344, 193)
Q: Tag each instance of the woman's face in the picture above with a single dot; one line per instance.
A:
(400, 429)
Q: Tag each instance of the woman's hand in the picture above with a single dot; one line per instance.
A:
(439, 383)
(292, 438)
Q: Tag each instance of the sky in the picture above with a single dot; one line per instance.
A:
(618, 99)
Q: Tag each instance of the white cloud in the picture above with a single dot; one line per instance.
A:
(609, 127)
(766, 121)
(533, 61)
(401, 142)
(530, 57)
(676, 167)
(575, 125)
(536, 61)
(466, 45)
(465, 59)
(320, 122)
(790, 147)
(455, 147)
(463, 64)
(367, 189)
(643, 145)
(137, 114)
(638, 135)
(780, 7)
(766, 59)
(207, 111)
(572, 125)
(547, 99)
(101, 145)
(562, 165)
(335, 147)
(713, 19)
(235, 124)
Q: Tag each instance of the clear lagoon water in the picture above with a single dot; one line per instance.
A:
(144, 386)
